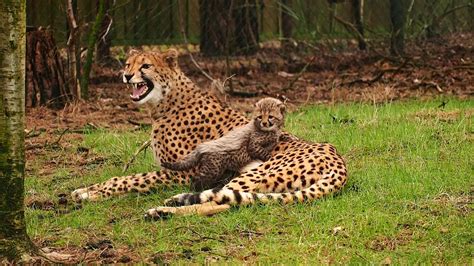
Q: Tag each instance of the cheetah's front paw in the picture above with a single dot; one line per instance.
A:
(159, 213)
(85, 194)
(80, 194)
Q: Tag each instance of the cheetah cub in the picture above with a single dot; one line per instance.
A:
(236, 149)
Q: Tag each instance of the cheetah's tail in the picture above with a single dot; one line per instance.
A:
(187, 163)
(232, 197)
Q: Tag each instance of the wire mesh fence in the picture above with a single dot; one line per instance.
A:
(240, 26)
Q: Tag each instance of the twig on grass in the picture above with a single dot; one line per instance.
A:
(198, 234)
(60, 137)
(132, 159)
(47, 144)
(139, 124)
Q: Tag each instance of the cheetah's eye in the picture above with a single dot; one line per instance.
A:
(146, 66)
(127, 65)
(270, 117)
(259, 117)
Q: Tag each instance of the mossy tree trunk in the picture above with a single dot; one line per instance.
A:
(90, 49)
(14, 242)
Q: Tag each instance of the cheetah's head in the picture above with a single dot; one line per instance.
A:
(150, 73)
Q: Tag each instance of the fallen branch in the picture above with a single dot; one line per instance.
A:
(297, 76)
(377, 77)
(419, 83)
(143, 147)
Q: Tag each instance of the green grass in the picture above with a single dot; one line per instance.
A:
(408, 200)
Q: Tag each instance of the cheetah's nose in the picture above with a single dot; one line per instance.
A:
(128, 77)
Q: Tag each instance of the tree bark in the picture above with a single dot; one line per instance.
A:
(15, 244)
(228, 27)
(398, 11)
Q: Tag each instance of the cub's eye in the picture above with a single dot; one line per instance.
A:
(270, 117)
(146, 66)
(127, 65)
(259, 117)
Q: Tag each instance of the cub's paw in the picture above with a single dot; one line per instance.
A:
(176, 200)
(159, 213)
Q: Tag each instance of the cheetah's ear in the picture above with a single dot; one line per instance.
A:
(133, 52)
(171, 58)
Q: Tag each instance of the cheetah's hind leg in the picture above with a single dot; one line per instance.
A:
(205, 209)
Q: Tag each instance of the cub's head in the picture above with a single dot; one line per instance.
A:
(269, 114)
(149, 73)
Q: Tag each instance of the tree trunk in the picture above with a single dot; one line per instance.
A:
(73, 49)
(90, 50)
(432, 29)
(358, 12)
(15, 244)
(286, 22)
(398, 11)
(45, 80)
(332, 14)
(228, 27)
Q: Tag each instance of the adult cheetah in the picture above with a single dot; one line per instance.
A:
(184, 116)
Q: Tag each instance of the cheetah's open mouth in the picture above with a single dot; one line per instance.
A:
(141, 90)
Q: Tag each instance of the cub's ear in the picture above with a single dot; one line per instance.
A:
(282, 107)
(257, 104)
(133, 52)
(171, 58)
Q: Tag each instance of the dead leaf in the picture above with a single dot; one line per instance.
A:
(285, 74)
